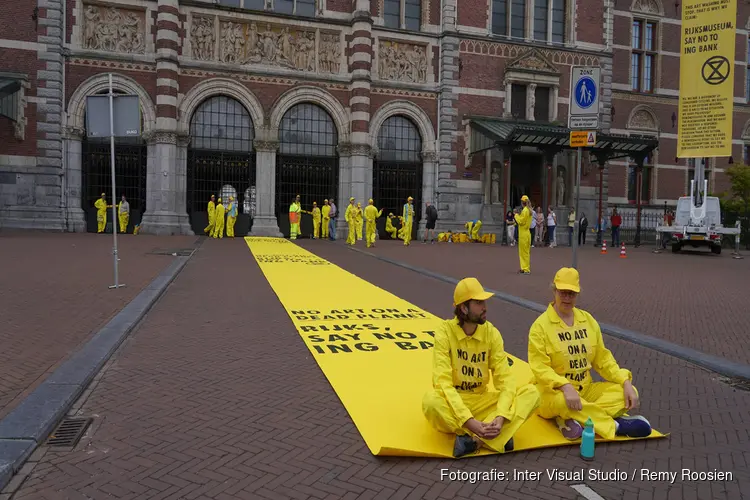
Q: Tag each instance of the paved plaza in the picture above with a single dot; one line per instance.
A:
(215, 395)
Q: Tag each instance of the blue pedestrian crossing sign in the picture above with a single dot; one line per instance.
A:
(584, 98)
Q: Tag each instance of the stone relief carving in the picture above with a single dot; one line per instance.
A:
(329, 55)
(533, 60)
(642, 119)
(113, 29)
(649, 6)
(402, 62)
(247, 43)
(203, 38)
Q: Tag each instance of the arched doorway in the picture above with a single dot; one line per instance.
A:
(397, 170)
(221, 161)
(307, 163)
(131, 156)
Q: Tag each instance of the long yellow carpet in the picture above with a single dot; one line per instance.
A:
(375, 350)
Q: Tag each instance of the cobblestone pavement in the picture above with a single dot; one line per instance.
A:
(216, 396)
(695, 299)
(55, 297)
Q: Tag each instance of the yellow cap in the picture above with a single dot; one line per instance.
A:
(567, 278)
(351, 199)
(410, 199)
(315, 203)
(104, 194)
(369, 201)
(231, 198)
(325, 201)
(469, 289)
(524, 198)
(219, 200)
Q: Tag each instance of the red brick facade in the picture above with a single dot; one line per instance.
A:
(447, 77)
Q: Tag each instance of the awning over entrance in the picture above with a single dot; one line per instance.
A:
(490, 133)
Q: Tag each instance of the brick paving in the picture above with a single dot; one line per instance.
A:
(698, 300)
(216, 396)
(55, 297)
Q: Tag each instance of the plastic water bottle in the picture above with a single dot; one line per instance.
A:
(587, 443)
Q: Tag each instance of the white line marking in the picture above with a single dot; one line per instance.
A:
(587, 492)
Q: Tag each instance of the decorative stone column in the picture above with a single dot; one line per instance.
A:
(265, 222)
(345, 189)
(359, 163)
(506, 101)
(429, 181)
(166, 170)
(73, 182)
(166, 186)
(530, 101)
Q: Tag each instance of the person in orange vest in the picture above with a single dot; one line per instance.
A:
(295, 214)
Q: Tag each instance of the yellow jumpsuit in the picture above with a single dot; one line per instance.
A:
(408, 221)
(101, 214)
(524, 239)
(350, 216)
(123, 216)
(211, 213)
(371, 215)
(462, 369)
(358, 221)
(295, 214)
(472, 229)
(326, 210)
(316, 222)
(559, 355)
(389, 227)
(218, 231)
(231, 218)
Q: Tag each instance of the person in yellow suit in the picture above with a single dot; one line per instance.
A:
(472, 229)
(408, 220)
(389, 227)
(101, 213)
(469, 353)
(324, 212)
(371, 215)
(218, 231)
(359, 221)
(565, 343)
(315, 212)
(524, 236)
(211, 212)
(231, 217)
(123, 214)
(350, 216)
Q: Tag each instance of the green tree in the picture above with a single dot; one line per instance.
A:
(739, 177)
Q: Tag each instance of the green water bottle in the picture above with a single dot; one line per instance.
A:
(587, 442)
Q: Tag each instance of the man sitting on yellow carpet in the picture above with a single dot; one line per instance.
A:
(468, 353)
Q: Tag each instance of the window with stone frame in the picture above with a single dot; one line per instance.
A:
(746, 154)
(403, 14)
(509, 19)
(541, 104)
(646, 172)
(518, 101)
(643, 55)
(293, 7)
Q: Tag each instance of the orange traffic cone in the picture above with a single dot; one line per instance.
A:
(622, 252)
(604, 247)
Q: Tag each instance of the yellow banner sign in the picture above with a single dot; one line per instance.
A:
(582, 138)
(375, 349)
(706, 78)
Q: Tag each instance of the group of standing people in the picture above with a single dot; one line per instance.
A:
(216, 222)
(542, 228)
(564, 344)
(361, 222)
(123, 213)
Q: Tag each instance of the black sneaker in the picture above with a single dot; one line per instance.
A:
(464, 445)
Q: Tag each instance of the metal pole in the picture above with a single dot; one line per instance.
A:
(599, 233)
(114, 192)
(574, 243)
